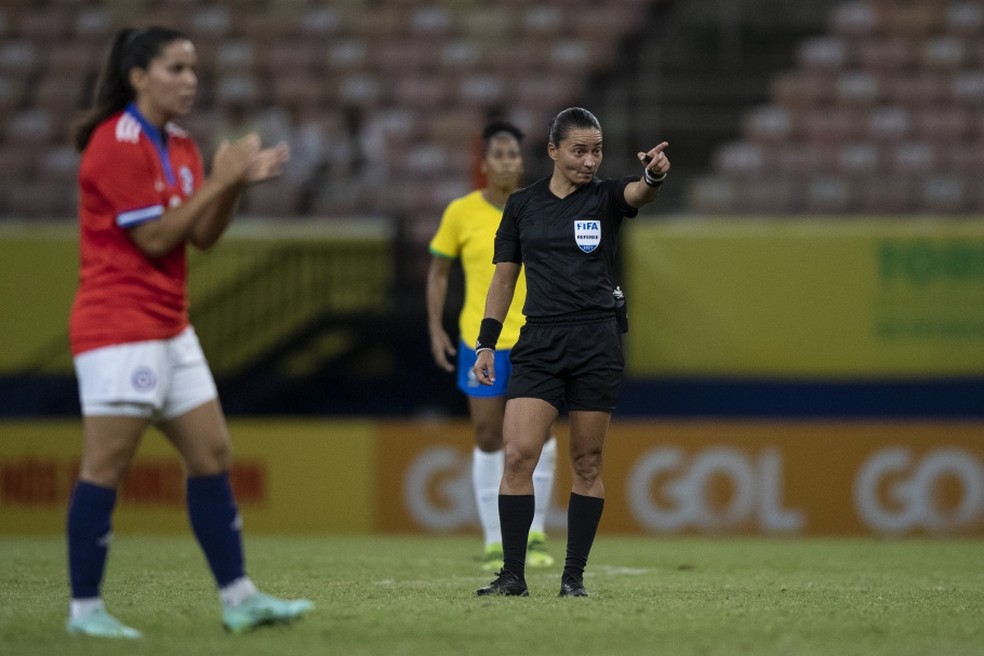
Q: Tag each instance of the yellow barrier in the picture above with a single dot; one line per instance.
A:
(815, 300)
(289, 476)
(714, 478)
(273, 279)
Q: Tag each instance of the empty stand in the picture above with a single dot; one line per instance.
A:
(415, 81)
(884, 114)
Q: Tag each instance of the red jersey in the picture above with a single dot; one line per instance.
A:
(130, 173)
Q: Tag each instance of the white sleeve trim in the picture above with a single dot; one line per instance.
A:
(135, 217)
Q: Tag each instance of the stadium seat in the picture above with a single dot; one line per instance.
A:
(431, 22)
(827, 194)
(211, 23)
(858, 89)
(944, 53)
(59, 164)
(425, 92)
(859, 159)
(833, 125)
(46, 25)
(943, 193)
(407, 55)
(802, 161)
(301, 89)
(856, 19)
(62, 95)
(21, 59)
(964, 18)
(360, 90)
(964, 158)
(914, 19)
(74, 57)
(914, 158)
(348, 55)
(17, 163)
(320, 22)
(773, 196)
(886, 54)
(240, 88)
(481, 90)
(13, 92)
(93, 24)
(33, 127)
(713, 194)
(829, 54)
(887, 195)
(803, 89)
(946, 125)
(488, 24)
(236, 56)
(770, 124)
(967, 89)
(280, 197)
(46, 200)
(542, 21)
(741, 160)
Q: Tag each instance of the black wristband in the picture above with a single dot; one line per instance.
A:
(488, 334)
(650, 180)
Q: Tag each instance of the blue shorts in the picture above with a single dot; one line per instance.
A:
(467, 382)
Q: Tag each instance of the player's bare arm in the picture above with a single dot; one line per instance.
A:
(437, 290)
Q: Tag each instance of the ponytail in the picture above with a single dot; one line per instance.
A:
(130, 49)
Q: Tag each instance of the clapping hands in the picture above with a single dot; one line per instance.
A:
(245, 161)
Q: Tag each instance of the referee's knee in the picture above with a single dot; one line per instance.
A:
(586, 467)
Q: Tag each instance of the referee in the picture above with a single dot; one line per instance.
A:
(564, 230)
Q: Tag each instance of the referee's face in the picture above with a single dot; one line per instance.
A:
(578, 156)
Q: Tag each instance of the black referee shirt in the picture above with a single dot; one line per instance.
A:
(566, 244)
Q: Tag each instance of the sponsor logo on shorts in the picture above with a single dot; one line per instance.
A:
(144, 379)
(587, 234)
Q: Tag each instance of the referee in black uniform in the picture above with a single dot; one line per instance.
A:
(564, 230)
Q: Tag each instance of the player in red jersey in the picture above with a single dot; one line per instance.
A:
(143, 197)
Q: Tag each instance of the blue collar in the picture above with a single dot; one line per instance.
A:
(157, 137)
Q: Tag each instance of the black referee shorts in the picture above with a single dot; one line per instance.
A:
(577, 363)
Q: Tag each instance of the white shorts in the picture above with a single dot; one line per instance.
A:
(155, 379)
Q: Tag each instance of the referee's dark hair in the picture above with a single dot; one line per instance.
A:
(496, 128)
(131, 48)
(570, 118)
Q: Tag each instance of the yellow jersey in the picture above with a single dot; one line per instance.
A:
(467, 232)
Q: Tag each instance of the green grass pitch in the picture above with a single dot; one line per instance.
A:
(400, 595)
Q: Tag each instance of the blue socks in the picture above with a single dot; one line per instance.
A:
(90, 512)
(211, 509)
(217, 526)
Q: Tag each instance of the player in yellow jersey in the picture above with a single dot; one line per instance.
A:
(467, 232)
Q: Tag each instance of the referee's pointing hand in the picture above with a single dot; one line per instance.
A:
(655, 160)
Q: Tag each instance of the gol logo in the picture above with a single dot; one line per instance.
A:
(895, 492)
(437, 489)
(438, 493)
(688, 485)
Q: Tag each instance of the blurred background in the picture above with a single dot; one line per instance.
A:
(816, 256)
